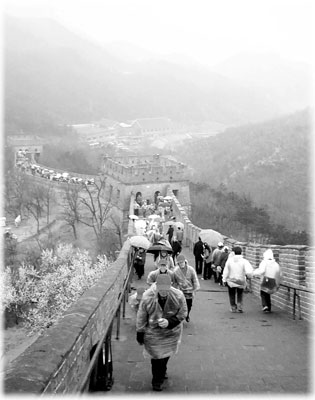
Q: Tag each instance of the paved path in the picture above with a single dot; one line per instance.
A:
(221, 352)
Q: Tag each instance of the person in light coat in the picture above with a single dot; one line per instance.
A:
(268, 268)
(185, 279)
(216, 255)
(234, 274)
(159, 325)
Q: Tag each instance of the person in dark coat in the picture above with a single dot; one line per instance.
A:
(170, 233)
(177, 248)
(139, 261)
(198, 253)
(207, 260)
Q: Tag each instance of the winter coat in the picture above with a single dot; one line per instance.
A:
(216, 256)
(153, 275)
(140, 257)
(198, 249)
(207, 256)
(160, 342)
(170, 233)
(235, 271)
(176, 246)
(223, 258)
(179, 234)
(186, 280)
(270, 269)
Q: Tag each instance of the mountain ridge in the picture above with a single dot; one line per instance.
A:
(54, 74)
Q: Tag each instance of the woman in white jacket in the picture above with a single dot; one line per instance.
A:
(234, 274)
(270, 275)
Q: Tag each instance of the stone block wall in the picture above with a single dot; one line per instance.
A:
(57, 362)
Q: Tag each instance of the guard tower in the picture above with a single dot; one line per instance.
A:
(129, 174)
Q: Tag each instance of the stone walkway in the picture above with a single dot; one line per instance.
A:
(221, 353)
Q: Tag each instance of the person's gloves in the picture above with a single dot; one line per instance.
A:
(140, 337)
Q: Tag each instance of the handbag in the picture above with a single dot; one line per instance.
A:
(268, 284)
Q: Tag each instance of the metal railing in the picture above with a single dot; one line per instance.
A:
(99, 375)
(296, 296)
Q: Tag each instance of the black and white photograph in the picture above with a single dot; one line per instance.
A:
(157, 198)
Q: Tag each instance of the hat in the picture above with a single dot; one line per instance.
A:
(163, 282)
(268, 255)
(140, 292)
(225, 248)
(180, 258)
(220, 244)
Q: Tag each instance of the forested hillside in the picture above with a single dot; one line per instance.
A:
(237, 217)
(269, 163)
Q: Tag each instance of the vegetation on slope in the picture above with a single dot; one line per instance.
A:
(237, 217)
(270, 162)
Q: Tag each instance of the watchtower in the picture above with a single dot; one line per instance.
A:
(147, 174)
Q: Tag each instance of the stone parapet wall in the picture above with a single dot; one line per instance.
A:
(57, 362)
(136, 169)
(297, 264)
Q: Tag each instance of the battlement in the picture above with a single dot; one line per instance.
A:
(139, 169)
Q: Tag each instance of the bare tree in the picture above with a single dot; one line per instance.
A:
(35, 202)
(71, 206)
(16, 189)
(96, 201)
(48, 198)
(118, 229)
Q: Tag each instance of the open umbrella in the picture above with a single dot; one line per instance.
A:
(154, 216)
(179, 225)
(168, 223)
(211, 237)
(133, 217)
(157, 247)
(165, 242)
(140, 241)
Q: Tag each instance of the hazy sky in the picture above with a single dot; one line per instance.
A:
(207, 30)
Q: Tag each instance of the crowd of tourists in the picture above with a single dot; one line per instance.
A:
(166, 301)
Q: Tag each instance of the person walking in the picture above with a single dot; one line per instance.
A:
(270, 275)
(234, 274)
(170, 233)
(207, 260)
(179, 233)
(216, 260)
(162, 269)
(177, 248)
(185, 279)
(159, 326)
(165, 255)
(222, 262)
(139, 262)
(198, 253)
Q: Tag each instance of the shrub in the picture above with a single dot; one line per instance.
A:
(41, 296)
